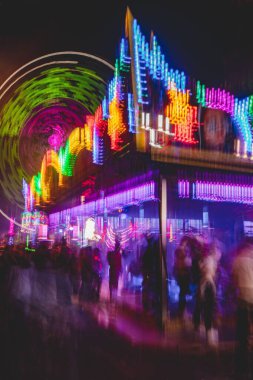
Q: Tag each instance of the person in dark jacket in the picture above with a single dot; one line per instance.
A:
(150, 272)
(86, 291)
(182, 271)
(115, 268)
(97, 272)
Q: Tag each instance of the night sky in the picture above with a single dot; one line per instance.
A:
(209, 40)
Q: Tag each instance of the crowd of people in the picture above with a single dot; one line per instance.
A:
(46, 294)
(197, 269)
(41, 283)
(44, 277)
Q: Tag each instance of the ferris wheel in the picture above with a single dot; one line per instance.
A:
(40, 104)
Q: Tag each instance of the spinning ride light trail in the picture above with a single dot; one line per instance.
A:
(59, 53)
(45, 100)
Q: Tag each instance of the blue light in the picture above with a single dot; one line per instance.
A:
(98, 148)
(125, 60)
(131, 116)
(105, 108)
(241, 118)
(140, 64)
(147, 54)
(183, 81)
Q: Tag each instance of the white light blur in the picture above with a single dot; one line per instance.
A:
(56, 54)
(17, 224)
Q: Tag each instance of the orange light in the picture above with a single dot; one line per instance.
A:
(77, 141)
(182, 115)
(88, 132)
(116, 126)
(51, 158)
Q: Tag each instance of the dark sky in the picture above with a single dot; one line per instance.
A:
(209, 40)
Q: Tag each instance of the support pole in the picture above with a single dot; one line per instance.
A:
(163, 245)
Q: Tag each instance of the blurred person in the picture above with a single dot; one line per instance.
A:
(75, 273)
(115, 269)
(64, 247)
(97, 272)
(150, 273)
(62, 277)
(4, 269)
(19, 281)
(182, 272)
(242, 271)
(85, 293)
(17, 305)
(208, 271)
(44, 293)
(197, 246)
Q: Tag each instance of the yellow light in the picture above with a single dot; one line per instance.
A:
(77, 141)
(182, 115)
(88, 132)
(116, 126)
(50, 158)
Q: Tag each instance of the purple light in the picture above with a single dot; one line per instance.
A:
(223, 192)
(183, 189)
(11, 228)
(48, 127)
(131, 196)
(217, 191)
(220, 99)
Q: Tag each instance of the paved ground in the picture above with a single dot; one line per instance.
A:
(105, 341)
(178, 353)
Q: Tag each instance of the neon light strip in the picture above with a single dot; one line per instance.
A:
(220, 99)
(242, 120)
(131, 196)
(131, 117)
(183, 189)
(216, 191)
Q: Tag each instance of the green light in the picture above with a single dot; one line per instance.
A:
(37, 182)
(201, 93)
(45, 89)
(67, 160)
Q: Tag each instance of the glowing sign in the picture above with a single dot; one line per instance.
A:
(89, 232)
(42, 231)
(89, 229)
(182, 115)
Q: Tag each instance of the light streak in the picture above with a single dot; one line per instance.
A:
(17, 224)
(40, 93)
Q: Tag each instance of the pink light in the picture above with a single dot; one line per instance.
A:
(55, 141)
(11, 228)
(220, 99)
(183, 189)
(125, 234)
(217, 191)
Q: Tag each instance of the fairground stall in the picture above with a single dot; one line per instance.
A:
(163, 155)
